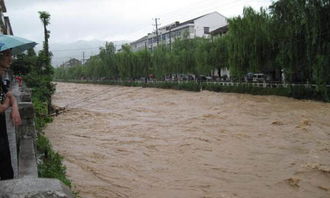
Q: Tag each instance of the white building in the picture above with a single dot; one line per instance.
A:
(5, 27)
(197, 27)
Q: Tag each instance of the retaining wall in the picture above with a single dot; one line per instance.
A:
(26, 183)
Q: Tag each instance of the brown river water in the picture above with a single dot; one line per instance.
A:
(146, 142)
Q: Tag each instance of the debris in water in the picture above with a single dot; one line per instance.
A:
(294, 182)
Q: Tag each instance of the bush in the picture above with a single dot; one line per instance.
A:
(314, 93)
(41, 111)
(51, 164)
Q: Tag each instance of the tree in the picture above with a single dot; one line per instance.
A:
(160, 61)
(303, 38)
(144, 63)
(250, 46)
(41, 74)
(45, 18)
(127, 60)
(219, 53)
(107, 55)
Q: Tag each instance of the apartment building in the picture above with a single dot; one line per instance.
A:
(5, 27)
(197, 27)
(220, 31)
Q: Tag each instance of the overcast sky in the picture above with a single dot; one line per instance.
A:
(111, 20)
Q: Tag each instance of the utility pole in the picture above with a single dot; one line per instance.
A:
(170, 38)
(83, 59)
(156, 24)
(145, 61)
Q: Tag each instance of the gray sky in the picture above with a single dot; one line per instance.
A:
(111, 20)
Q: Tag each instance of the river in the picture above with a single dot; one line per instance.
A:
(146, 142)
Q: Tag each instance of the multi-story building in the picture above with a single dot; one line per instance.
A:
(5, 27)
(198, 27)
(220, 31)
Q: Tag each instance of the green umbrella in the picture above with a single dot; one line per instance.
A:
(16, 44)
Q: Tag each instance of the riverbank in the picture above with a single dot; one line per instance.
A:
(298, 91)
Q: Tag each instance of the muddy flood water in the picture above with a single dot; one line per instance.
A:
(146, 142)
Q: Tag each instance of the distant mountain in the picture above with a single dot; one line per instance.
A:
(80, 50)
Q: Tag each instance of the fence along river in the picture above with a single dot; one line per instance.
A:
(145, 142)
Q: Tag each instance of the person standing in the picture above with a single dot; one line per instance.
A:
(9, 45)
(7, 99)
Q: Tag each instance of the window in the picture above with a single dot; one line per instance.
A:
(206, 30)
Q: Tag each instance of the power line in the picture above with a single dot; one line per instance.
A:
(77, 49)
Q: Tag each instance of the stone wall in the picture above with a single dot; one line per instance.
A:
(22, 140)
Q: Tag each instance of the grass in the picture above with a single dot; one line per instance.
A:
(50, 163)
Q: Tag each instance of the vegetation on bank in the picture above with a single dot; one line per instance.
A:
(291, 37)
(310, 92)
(37, 74)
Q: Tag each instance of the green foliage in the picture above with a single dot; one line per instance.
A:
(144, 62)
(45, 19)
(127, 63)
(246, 88)
(41, 112)
(23, 63)
(250, 44)
(51, 165)
(219, 53)
(303, 38)
(108, 64)
(188, 86)
(161, 61)
(184, 55)
(295, 91)
(315, 93)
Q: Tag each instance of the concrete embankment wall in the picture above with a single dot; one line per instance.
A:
(22, 143)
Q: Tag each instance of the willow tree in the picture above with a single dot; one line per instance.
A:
(126, 61)
(219, 53)
(184, 53)
(108, 61)
(250, 46)
(161, 64)
(94, 68)
(304, 44)
(288, 18)
(203, 56)
(144, 63)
